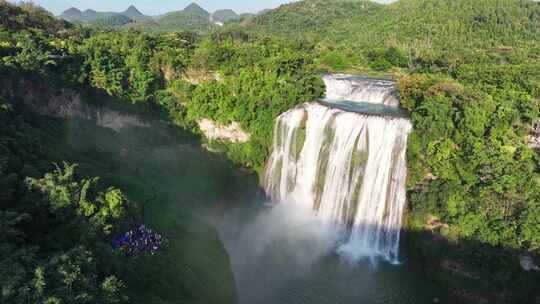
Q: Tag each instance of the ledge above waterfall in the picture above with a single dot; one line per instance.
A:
(353, 88)
(367, 108)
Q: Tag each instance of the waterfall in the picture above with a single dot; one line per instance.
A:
(349, 168)
(360, 89)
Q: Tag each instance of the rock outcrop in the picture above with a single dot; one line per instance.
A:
(534, 137)
(66, 103)
(527, 263)
(232, 132)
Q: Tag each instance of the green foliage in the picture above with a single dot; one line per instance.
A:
(62, 278)
(384, 59)
(430, 34)
(73, 202)
(339, 59)
(258, 81)
(471, 138)
(184, 21)
(54, 229)
(470, 79)
(133, 66)
(28, 16)
(49, 260)
(112, 21)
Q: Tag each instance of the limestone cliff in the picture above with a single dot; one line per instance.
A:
(66, 103)
(232, 132)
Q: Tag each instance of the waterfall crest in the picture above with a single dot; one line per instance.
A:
(361, 89)
(349, 168)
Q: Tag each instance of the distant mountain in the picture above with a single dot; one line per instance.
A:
(72, 14)
(195, 9)
(224, 15)
(75, 15)
(112, 21)
(90, 16)
(192, 18)
(264, 11)
(246, 15)
(184, 21)
(133, 13)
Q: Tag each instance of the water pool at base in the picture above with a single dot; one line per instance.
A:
(278, 257)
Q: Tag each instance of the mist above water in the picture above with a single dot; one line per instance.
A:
(284, 256)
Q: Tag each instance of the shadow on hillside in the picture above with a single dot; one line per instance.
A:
(474, 272)
(279, 255)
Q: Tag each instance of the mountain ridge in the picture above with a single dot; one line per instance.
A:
(192, 18)
(133, 13)
(74, 14)
(195, 9)
(224, 15)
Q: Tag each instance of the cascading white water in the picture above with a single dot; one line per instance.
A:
(349, 168)
(360, 89)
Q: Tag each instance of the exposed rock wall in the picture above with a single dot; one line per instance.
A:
(534, 137)
(232, 132)
(66, 103)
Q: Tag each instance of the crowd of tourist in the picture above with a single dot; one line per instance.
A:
(139, 241)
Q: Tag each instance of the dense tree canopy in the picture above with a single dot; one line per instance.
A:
(468, 74)
(433, 34)
(54, 228)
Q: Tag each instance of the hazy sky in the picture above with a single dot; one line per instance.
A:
(155, 7)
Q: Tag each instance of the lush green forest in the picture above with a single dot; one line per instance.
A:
(55, 228)
(429, 35)
(468, 72)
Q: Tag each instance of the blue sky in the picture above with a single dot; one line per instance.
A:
(155, 7)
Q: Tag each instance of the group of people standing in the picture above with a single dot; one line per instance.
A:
(139, 241)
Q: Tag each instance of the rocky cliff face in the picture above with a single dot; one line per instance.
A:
(65, 103)
(534, 137)
(68, 104)
(232, 132)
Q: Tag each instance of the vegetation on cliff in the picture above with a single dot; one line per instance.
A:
(55, 225)
(257, 81)
(468, 75)
(430, 35)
